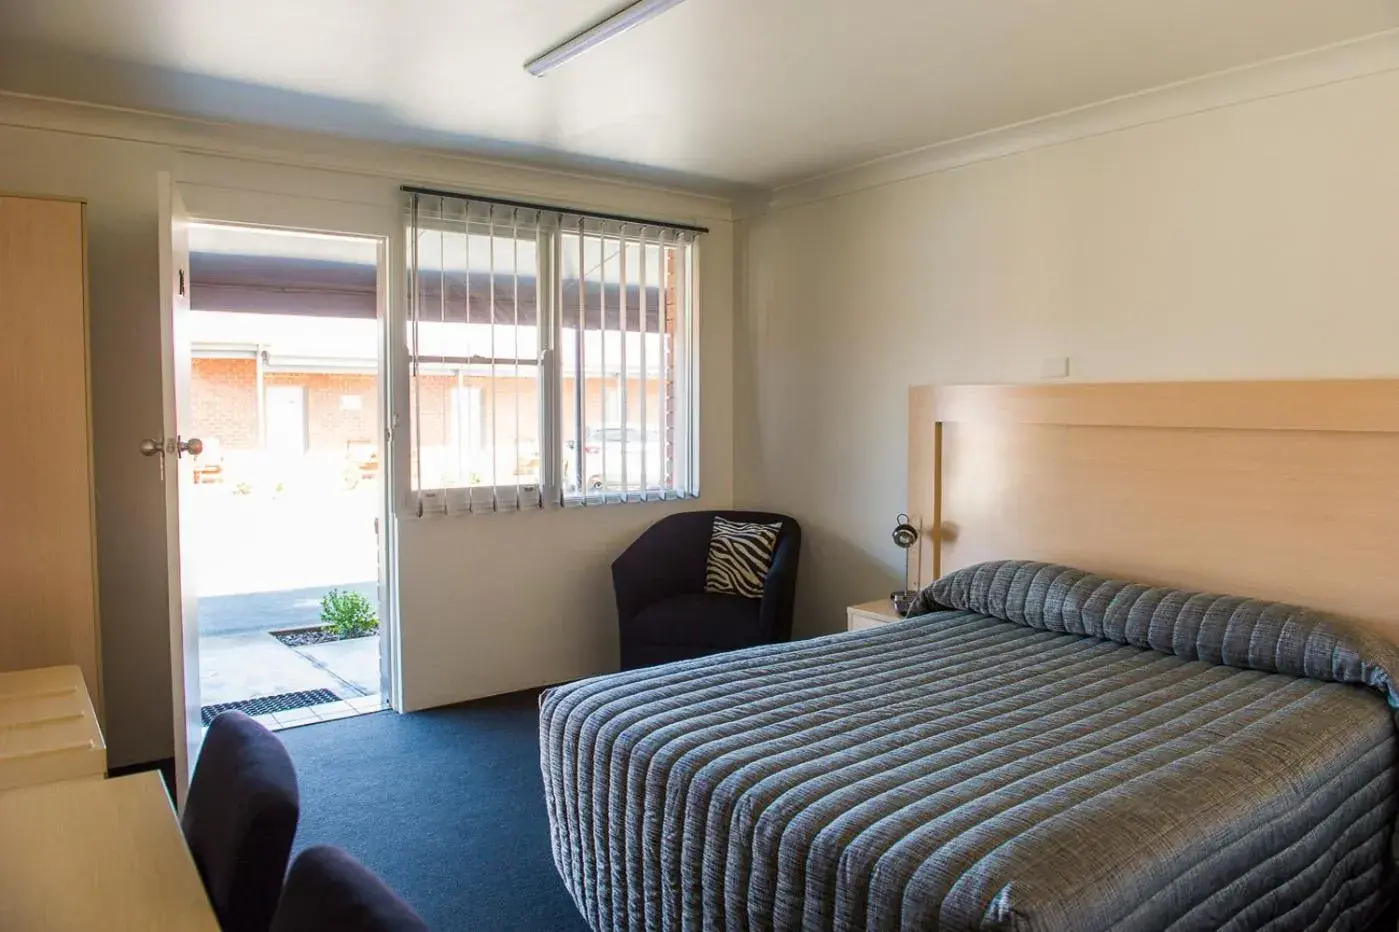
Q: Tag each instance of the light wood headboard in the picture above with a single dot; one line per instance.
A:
(1278, 490)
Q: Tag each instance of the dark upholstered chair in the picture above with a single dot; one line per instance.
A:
(239, 820)
(663, 612)
(329, 891)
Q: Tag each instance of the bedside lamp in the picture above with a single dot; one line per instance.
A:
(905, 536)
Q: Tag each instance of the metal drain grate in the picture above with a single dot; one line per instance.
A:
(265, 704)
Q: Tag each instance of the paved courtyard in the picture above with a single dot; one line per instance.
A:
(248, 663)
(264, 560)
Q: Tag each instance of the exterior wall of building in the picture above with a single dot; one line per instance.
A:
(435, 407)
(343, 409)
(223, 402)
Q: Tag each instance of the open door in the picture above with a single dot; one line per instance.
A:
(177, 471)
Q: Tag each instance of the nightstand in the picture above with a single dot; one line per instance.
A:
(870, 615)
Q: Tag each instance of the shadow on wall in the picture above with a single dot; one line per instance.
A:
(836, 573)
(48, 70)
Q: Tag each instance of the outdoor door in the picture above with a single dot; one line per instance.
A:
(286, 420)
(467, 434)
(173, 449)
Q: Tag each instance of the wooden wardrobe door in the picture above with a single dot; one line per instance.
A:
(48, 603)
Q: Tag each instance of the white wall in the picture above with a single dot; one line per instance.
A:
(1257, 240)
(488, 604)
(496, 603)
(118, 179)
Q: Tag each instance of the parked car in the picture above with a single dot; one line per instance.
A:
(614, 455)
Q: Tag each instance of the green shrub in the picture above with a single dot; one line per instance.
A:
(348, 614)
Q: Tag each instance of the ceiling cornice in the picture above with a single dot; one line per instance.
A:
(1359, 58)
(403, 164)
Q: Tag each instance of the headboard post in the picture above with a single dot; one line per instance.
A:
(925, 480)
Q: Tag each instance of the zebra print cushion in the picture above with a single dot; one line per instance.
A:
(740, 555)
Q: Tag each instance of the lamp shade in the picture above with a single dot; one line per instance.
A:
(905, 534)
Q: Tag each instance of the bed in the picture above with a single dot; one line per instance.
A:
(1042, 748)
(1046, 749)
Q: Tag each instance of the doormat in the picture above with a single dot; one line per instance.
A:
(265, 704)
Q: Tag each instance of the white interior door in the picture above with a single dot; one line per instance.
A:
(232, 199)
(178, 473)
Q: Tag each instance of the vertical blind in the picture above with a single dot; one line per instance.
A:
(551, 355)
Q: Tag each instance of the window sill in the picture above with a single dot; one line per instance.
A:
(627, 498)
(438, 503)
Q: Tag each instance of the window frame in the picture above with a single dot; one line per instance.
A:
(550, 231)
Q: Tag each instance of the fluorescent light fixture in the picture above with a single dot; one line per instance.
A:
(613, 26)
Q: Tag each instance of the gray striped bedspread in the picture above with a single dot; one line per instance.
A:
(1045, 750)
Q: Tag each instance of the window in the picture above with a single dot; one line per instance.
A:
(552, 357)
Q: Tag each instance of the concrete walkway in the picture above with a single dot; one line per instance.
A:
(251, 664)
(240, 659)
(354, 662)
(264, 561)
(234, 667)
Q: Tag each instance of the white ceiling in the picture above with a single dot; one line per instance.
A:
(718, 95)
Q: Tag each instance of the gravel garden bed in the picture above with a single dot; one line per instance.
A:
(305, 637)
(348, 615)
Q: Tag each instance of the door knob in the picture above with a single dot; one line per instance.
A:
(150, 447)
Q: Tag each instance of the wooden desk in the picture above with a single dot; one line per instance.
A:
(48, 731)
(97, 854)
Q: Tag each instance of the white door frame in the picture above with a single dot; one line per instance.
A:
(177, 472)
(232, 206)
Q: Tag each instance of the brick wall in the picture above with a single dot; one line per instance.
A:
(223, 402)
(332, 420)
(224, 408)
(435, 407)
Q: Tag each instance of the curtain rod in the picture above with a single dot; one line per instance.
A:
(503, 202)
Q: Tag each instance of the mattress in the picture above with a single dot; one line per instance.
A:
(1045, 749)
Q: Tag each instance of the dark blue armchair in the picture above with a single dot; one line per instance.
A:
(663, 612)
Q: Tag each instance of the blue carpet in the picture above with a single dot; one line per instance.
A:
(446, 805)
